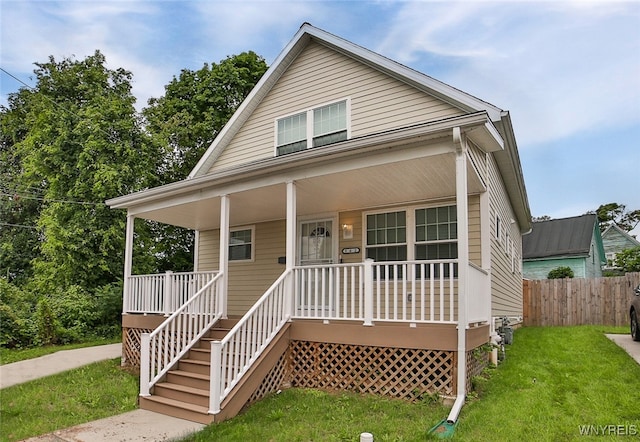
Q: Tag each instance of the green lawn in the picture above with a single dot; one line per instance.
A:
(553, 382)
(63, 400)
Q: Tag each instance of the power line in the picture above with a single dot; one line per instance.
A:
(47, 200)
(18, 225)
(58, 105)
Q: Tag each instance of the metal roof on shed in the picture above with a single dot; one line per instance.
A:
(560, 237)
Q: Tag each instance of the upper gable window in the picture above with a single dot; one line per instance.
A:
(313, 128)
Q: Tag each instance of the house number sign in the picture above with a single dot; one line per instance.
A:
(350, 250)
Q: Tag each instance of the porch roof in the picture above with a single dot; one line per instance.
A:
(401, 166)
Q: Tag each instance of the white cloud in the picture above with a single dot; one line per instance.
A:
(559, 68)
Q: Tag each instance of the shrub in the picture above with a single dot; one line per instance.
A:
(58, 317)
(560, 272)
(629, 260)
(46, 325)
(17, 308)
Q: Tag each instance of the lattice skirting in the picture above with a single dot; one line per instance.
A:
(395, 372)
(477, 361)
(131, 338)
(274, 380)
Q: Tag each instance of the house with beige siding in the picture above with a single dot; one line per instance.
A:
(358, 227)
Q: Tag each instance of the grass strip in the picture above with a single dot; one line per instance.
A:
(312, 415)
(63, 400)
(553, 385)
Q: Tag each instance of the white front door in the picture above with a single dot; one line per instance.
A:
(317, 248)
(316, 242)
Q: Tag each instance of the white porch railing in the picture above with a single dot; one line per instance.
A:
(240, 348)
(163, 347)
(410, 291)
(163, 293)
(479, 295)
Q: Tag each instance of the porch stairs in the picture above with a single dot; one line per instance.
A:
(184, 391)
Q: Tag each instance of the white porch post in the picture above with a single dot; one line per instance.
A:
(463, 254)
(291, 245)
(196, 250)
(485, 251)
(368, 292)
(224, 254)
(128, 260)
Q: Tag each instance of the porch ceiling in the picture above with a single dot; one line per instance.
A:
(403, 181)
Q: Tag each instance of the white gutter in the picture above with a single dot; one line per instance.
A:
(463, 270)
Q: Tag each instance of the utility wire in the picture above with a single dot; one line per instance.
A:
(47, 200)
(18, 225)
(58, 105)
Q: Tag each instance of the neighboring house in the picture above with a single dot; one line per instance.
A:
(358, 225)
(615, 240)
(567, 242)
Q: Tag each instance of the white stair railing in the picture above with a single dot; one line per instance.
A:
(162, 348)
(234, 355)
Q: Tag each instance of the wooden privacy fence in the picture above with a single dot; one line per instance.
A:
(579, 301)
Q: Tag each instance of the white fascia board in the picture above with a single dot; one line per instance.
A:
(403, 73)
(276, 165)
(407, 75)
(240, 116)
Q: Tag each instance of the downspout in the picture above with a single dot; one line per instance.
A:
(463, 266)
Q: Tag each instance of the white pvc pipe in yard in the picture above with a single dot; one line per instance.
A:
(366, 437)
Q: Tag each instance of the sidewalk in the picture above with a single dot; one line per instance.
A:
(24, 371)
(631, 347)
(134, 426)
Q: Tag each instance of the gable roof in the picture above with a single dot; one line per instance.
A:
(614, 230)
(560, 237)
(303, 37)
(507, 159)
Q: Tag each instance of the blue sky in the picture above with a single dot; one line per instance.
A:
(568, 72)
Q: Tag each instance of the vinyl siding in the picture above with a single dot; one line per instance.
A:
(249, 280)
(318, 76)
(506, 250)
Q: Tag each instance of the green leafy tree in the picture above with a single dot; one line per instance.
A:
(561, 272)
(19, 213)
(182, 125)
(617, 214)
(628, 260)
(74, 140)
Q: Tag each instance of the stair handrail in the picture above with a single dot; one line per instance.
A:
(234, 355)
(164, 346)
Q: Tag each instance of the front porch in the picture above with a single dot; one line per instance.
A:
(385, 328)
(402, 203)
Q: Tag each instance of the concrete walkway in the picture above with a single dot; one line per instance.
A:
(629, 345)
(134, 426)
(24, 371)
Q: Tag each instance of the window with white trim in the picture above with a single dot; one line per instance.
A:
(241, 244)
(387, 236)
(437, 233)
(434, 235)
(315, 127)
